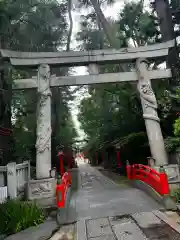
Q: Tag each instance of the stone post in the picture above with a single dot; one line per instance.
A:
(11, 180)
(43, 143)
(149, 106)
(97, 158)
(93, 69)
(118, 154)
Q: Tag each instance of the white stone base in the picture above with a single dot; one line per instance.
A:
(41, 189)
(172, 171)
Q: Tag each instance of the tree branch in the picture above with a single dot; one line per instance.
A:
(70, 25)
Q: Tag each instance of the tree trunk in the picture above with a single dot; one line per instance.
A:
(101, 38)
(163, 10)
(164, 13)
(70, 25)
(105, 25)
(110, 34)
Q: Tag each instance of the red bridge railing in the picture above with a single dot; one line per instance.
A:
(62, 189)
(64, 183)
(157, 180)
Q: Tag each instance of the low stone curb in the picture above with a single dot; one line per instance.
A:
(2, 237)
(165, 201)
(167, 220)
(62, 212)
(67, 232)
(178, 208)
(43, 231)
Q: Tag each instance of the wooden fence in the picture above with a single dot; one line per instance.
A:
(13, 180)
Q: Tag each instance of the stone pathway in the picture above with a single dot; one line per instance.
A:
(98, 196)
(153, 225)
(103, 210)
(138, 226)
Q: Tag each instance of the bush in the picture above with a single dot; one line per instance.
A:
(177, 127)
(16, 216)
(176, 195)
(171, 144)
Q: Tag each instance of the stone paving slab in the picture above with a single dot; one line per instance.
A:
(98, 227)
(129, 227)
(81, 230)
(139, 226)
(128, 231)
(146, 219)
(107, 237)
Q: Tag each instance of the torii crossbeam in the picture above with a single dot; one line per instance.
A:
(84, 58)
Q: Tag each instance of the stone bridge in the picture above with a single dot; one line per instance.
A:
(103, 209)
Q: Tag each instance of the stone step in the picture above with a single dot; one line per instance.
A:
(139, 226)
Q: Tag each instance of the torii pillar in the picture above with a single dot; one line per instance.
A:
(43, 187)
(43, 142)
(152, 121)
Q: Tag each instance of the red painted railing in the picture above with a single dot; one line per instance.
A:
(66, 181)
(158, 181)
(119, 163)
(62, 189)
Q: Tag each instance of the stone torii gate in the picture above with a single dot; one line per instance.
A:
(44, 81)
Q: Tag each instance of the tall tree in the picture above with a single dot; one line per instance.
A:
(70, 25)
(113, 111)
(165, 10)
(101, 20)
(34, 26)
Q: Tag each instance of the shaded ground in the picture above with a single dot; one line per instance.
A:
(117, 178)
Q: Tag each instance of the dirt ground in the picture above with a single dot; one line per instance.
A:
(122, 180)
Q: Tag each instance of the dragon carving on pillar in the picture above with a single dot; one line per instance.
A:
(147, 95)
(43, 129)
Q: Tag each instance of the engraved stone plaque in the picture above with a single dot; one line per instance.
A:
(172, 172)
(41, 188)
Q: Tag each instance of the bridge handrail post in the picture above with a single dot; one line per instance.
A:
(164, 181)
(129, 170)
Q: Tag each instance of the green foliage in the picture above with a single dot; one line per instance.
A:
(35, 26)
(113, 112)
(24, 127)
(17, 216)
(177, 127)
(176, 195)
(171, 144)
(137, 24)
(132, 138)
